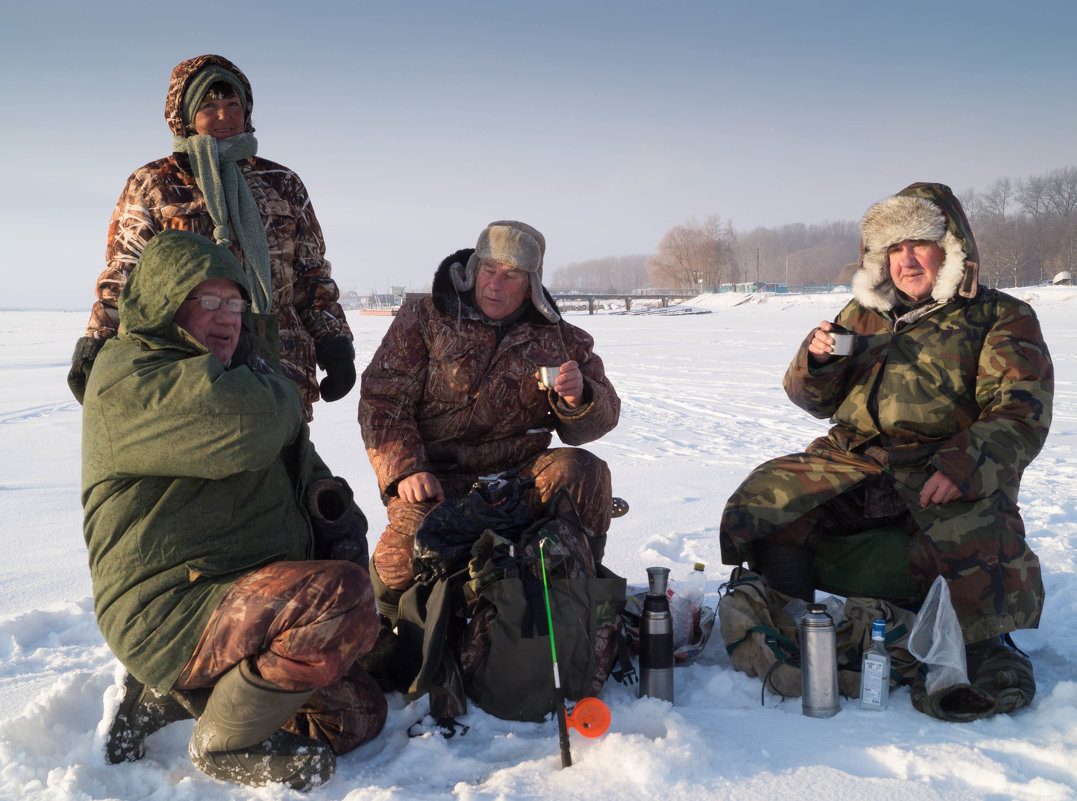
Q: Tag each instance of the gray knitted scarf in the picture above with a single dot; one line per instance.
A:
(214, 164)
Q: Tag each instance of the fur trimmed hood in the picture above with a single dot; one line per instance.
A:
(928, 211)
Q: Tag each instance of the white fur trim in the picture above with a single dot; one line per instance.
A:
(894, 220)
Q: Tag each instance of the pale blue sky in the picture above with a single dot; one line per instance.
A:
(414, 124)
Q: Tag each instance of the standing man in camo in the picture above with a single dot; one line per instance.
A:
(944, 401)
(215, 184)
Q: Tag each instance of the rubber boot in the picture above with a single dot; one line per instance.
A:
(143, 711)
(787, 568)
(382, 661)
(387, 599)
(239, 736)
(1006, 674)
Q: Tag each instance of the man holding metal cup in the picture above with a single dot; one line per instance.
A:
(454, 393)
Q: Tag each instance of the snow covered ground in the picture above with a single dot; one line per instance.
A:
(702, 404)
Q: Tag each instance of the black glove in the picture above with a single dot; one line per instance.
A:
(337, 358)
(82, 360)
(339, 525)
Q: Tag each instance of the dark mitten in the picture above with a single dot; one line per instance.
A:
(337, 358)
(86, 350)
(339, 525)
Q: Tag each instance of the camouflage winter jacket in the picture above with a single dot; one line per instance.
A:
(163, 194)
(443, 395)
(190, 470)
(962, 384)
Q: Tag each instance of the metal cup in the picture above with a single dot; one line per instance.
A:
(843, 343)
(548, 376)
(844, 340)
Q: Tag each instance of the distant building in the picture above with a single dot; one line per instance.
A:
(756, 286)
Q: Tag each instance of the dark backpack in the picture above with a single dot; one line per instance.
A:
(505, 650)
(480, 626)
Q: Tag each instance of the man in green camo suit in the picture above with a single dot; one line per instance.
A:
(944, 401)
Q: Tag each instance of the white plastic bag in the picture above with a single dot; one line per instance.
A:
(936, 640)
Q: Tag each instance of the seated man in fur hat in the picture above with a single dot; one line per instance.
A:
(452, 394)
(940, 406)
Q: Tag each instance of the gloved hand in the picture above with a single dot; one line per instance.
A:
(337, 358)
(86, 350)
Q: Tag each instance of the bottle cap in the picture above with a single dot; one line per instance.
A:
(878, 629)
(699, 566)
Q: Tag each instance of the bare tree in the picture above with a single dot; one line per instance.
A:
(695, 254)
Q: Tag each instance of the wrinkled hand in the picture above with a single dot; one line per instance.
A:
(569, 384)
(820, 344)
(939, 489)
(420, 487)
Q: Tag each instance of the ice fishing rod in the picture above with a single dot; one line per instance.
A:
(590, 717)
(558, 693)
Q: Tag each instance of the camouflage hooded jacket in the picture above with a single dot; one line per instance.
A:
(962, 384)
(443, 394)
(163, 194)
(190, 470)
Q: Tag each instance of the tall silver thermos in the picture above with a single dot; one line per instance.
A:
(818, 663)
(656, 639)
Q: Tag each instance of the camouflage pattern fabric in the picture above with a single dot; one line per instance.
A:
(163, 194)
(762, 639)
(584, 476)
(304, 624)
(962, 385)
(450, 393)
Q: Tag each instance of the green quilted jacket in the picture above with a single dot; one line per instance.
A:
(192, 471)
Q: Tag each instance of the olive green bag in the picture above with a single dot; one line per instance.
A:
(505, 653)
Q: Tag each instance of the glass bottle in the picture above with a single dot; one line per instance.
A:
(875, 670)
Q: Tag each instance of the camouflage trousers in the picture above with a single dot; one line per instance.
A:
(978, 546)
(303, 624)
(584, 475)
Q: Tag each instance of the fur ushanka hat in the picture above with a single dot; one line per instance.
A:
(515, 243)
(924, 211)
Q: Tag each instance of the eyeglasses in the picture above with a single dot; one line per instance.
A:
(213, 302)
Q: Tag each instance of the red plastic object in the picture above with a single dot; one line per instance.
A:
(590, 717)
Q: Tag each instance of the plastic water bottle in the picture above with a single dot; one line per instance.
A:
(693, 590)
(818, 663)
(875, 670)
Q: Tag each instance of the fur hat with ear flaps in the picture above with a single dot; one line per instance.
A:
(925, 211)
(509, 242)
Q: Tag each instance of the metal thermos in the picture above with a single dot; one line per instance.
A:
(818, 663)
(656, 639)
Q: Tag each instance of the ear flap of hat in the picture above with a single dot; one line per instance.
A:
(896, 219)
(463, 276)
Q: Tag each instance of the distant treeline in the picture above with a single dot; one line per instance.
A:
(1026, 231)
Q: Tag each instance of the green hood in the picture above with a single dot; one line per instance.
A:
(171, 266)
